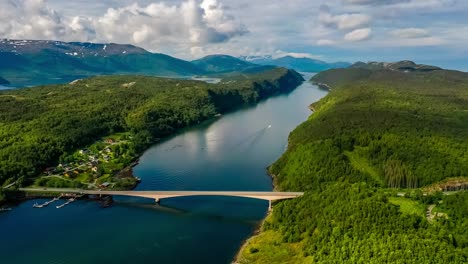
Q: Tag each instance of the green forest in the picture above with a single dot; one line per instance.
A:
(41, 126)
(377, 136)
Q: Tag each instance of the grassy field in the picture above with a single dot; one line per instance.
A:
(408, 206)
(362, 164)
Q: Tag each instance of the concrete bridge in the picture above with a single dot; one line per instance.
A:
(158, 195)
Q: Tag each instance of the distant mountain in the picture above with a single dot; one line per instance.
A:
(298, 64)
(3, 81)
(226, 63)
(408, 66)
(39, 62)
(33, 62)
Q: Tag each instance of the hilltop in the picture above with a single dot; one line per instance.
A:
(406, 66)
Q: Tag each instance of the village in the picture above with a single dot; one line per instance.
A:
(98, 166)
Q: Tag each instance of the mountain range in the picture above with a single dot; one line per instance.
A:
(37, 62)
(298, 64)
(34, 62)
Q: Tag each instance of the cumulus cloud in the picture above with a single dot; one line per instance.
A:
(342, 21)
(29, 19)
(190, 28)
(186, 24)
(358, 34)
(409, 33)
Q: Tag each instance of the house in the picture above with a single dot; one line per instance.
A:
(106, 158)
(94, 169)
(109, 140)
(108, 150)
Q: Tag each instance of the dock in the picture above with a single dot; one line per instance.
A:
(36, 205)
(66, 203)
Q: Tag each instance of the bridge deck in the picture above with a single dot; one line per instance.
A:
(269, 196)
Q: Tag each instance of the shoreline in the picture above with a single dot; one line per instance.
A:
(246, 241)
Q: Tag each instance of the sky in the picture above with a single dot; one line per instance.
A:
(426, 31)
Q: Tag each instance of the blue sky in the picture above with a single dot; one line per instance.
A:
(427, 31)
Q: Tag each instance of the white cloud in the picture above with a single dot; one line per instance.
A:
(29, 19)
(358, 34)
(192, 28)
(280, 53)
(409, 33)
(325, 42)
(186, 24)
(344, 21)
(183, 25)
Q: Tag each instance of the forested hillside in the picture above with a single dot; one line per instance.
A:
(378, 131)
(40, 125)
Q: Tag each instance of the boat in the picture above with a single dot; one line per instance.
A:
(138, 179)
(269, 126)
(5, 209)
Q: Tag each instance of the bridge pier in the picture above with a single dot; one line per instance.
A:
(157, 200)
(269, 205)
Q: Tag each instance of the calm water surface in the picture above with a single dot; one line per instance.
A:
(230, 153)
